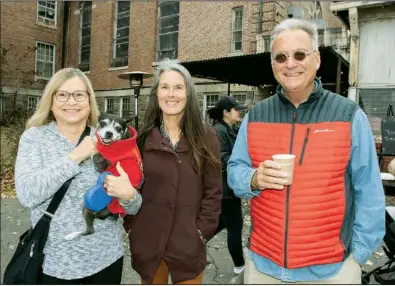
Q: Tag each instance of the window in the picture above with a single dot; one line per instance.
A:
(109, 105)
(85, 35)
(237, 29)
(266, 43)
(168, 30)
(240, 98)
(375, 103)
(45, 60)
(125, 107)
(1, 106)
(46, 12)
(121, 34)
(32, 102)
(209, 101)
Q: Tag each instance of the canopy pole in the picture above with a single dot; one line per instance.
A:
(228, 88)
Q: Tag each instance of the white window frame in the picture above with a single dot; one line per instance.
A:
(114, 40)
(212, 103)
(267, 41)
(106, 100)
(80, 36)
(44, 19)
(30, 107)
(121, 105)
(176, 50)
(236, 95)
(53, 60)
(234, 11)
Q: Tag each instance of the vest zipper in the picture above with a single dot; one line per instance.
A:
(306, 139)
(288, 192)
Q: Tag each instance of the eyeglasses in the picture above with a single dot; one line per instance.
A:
(298, 55)
(78, 95)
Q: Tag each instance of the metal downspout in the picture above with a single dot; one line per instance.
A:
(260, 17)
(64, 31)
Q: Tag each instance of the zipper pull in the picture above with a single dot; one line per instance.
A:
(294, 116)
(31, 250)
(306, 138)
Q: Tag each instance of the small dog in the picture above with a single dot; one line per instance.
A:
(116, 143)
(110, 129)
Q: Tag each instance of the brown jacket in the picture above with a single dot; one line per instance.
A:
(176, 203)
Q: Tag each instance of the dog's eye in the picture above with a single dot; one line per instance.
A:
(119, 129)
(102, 124)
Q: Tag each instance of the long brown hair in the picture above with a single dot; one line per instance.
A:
(191, 123)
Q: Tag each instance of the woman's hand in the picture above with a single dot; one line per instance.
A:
(84, 150)
(119, 187)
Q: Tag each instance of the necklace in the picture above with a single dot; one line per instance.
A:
(173, 136)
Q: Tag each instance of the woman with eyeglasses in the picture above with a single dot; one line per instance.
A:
(48, 156)
(225, 114)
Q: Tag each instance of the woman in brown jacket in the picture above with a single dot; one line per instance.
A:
(183, 184)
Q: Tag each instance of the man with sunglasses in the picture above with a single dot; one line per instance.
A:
(323, 226)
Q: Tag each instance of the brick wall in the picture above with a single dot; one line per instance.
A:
(141, 46)
(277, 11)
(206, 29)
(19, 27)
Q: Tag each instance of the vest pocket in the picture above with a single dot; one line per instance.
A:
(306, 139)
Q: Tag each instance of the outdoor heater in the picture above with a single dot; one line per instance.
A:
(136, 79)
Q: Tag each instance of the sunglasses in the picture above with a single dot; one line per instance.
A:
(298, 55)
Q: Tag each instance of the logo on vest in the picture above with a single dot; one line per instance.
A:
(323, 130)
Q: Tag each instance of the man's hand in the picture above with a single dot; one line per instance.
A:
(119, 187)
(268, 176)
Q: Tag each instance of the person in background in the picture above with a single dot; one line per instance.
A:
(225, 114)
(183, 186)
(48, 157)
(326, 224)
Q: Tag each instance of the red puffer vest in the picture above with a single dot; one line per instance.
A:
(309, 222)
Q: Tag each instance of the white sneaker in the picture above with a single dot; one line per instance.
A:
(238, 270)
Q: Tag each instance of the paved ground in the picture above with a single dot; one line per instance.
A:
(15, 220)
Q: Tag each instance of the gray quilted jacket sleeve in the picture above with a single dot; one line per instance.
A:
(36, 182)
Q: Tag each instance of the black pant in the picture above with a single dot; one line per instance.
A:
(231, 218)
(109, 275)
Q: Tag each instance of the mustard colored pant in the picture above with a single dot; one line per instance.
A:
(162, 276)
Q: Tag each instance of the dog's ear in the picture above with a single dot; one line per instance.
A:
(102, 116)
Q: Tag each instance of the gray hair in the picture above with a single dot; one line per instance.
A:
(171, 65)
(296, 24)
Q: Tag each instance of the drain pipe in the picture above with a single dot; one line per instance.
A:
(260, 17)
(65, 31)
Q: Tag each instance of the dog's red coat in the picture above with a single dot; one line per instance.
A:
(127, 153)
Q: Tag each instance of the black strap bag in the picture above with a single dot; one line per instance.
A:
(25, 266)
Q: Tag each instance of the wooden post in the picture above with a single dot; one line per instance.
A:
(354, 47)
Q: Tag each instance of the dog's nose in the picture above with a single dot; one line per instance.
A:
(108, 134)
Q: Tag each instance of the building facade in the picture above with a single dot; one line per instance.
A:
(371, 75)
(105, 39)
(31, 51)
